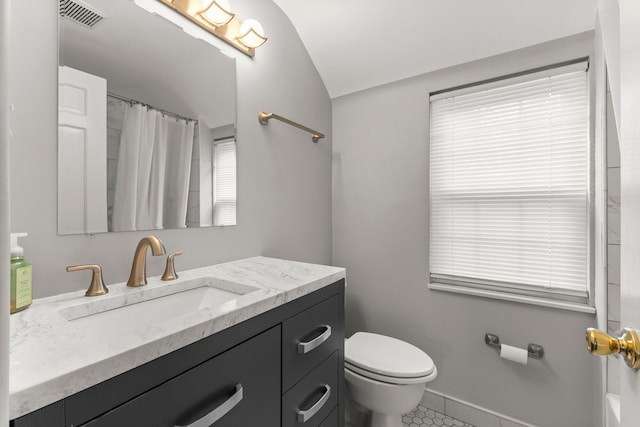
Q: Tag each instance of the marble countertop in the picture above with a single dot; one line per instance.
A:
(51, 358)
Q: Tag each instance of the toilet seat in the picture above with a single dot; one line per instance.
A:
(391, 380)
(387, 359)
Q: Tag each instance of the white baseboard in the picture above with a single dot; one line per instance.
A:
(468, 412)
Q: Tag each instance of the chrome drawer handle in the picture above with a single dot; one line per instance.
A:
(306, 347)
(219, 412)
(304, 416)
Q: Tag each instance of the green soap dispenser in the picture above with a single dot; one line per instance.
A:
(21, 276)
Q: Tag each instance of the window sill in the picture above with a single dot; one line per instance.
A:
(563, 305)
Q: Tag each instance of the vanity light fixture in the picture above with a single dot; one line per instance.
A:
(215, 16)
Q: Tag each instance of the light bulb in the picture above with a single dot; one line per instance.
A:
(217, 12)
(251, 34)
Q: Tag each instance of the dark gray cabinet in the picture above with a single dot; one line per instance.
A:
(310, 337)
(312, 342)
(281, 368)
(313, 398)
(332, 420)
(232, 389)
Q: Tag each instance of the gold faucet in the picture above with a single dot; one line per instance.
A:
(138, 275)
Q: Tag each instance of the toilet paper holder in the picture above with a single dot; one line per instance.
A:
(534, 351)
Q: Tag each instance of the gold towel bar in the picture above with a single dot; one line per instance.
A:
(264, 118)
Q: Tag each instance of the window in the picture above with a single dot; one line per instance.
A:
(224, 184)
(509, 187)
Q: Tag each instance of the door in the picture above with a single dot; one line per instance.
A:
(629, 124)
(82, 152)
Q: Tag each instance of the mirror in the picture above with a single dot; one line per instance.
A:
(147, 113)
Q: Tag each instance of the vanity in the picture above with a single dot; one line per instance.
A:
(258, 341)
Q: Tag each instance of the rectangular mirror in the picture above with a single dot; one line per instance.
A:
(146, 123)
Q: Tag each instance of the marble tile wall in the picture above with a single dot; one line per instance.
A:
(193, 201)
(613, 237)
(115, 117)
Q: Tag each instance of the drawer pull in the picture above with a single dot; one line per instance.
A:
(304, 416)
(306, 347)
(220, 411)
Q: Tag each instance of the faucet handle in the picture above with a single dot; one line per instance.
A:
(170, 269)
(97, 286)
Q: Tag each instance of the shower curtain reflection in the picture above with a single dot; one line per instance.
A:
(154, 164)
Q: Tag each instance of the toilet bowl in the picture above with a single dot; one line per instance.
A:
(386, 376)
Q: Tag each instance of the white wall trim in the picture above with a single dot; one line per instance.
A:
(467, 412)
(4, 212)
(601, 220)
(525, 299)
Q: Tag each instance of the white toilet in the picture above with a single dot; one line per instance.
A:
(386, 376)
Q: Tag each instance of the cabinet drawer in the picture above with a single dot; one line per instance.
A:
(332, 420)
(312, 399)
(308, 338)
(240, 386)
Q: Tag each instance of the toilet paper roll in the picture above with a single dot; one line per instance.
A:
(515, 354)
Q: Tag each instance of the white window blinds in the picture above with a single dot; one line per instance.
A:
(509, 184)
(224, 185)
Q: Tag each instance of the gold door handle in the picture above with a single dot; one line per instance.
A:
(602, 344)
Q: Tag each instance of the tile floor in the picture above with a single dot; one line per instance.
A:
(422, 416)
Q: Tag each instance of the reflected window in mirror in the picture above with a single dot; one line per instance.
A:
(212, 197)
(224, 202)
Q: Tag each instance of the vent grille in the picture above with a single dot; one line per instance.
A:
(80, 12)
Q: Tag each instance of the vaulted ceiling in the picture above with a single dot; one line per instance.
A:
(359, 44)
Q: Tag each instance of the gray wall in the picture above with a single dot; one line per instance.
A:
(284, 180)
(381, 235)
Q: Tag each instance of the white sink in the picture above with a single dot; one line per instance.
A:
(142, 308)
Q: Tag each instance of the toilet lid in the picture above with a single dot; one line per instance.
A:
(387, 356)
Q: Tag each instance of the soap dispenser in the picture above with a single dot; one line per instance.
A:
(21, 276)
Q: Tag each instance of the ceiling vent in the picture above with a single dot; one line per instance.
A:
(80, 12)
